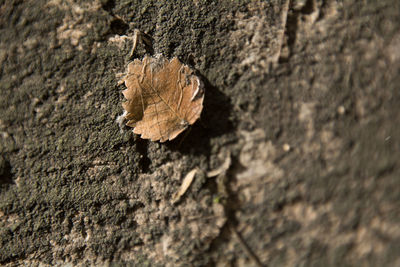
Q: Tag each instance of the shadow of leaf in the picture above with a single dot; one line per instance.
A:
(216, 120)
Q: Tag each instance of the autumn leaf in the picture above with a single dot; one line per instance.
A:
(163, 97)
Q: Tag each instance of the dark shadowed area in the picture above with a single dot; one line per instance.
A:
(296, 152)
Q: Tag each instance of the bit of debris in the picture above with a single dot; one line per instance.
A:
(120, 120)
(286, 147)
(187, 181)
(139, 36)
(222, 169)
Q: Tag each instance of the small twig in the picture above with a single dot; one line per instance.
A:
(223, 168)
(138, 36)
(184, 137)
(281, 33)
(246, 247)
(135, 37)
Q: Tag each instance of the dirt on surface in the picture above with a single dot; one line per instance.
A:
(297, 149)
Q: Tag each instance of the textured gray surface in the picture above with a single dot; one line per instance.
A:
(303, 96)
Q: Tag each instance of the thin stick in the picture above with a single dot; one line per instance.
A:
(184, 137)
(135, 37)
(246, 247)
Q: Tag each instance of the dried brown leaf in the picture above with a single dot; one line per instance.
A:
(163, 97)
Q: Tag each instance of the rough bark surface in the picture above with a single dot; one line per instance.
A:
(302, 96)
